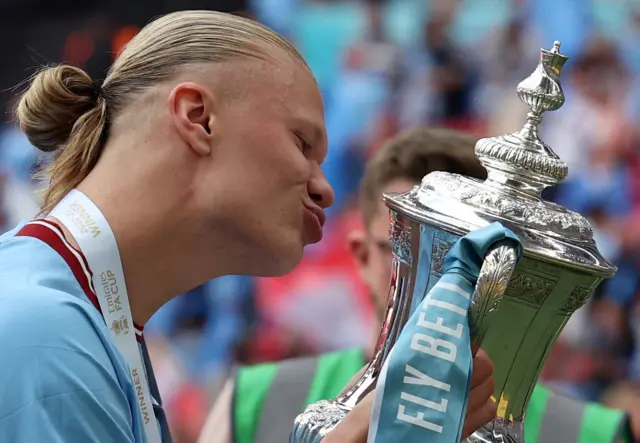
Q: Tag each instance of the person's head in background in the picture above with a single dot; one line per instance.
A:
(599, 72)
(208, 133)
(398, 166)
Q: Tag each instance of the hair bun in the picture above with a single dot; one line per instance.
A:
(54, 103)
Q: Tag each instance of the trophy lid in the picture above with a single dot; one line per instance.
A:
(519, 167)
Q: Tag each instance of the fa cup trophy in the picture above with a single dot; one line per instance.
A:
(518, 308)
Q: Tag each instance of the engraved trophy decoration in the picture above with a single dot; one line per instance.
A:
(517, 311)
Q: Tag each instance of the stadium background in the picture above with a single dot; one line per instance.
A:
(383, 65)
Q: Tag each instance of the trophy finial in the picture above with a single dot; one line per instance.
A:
(521, 160)
(542, 90)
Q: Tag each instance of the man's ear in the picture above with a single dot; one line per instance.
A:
(359, 248)
(193, 110)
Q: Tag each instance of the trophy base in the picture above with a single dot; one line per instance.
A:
(317, 421)
(322, 417)
(498, 431)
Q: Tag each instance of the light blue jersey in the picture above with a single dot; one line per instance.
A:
(62, 380)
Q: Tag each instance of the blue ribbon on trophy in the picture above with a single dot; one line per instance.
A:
(423, 387)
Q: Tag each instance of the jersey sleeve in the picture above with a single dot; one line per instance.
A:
(58, 379)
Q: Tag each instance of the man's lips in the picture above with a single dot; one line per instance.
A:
(313, 221)
(318, 212)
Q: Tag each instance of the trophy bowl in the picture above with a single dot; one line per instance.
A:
(518, 310)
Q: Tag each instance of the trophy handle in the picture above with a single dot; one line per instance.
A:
(493, 279)
(489, 292)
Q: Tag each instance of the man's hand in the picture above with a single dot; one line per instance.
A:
(355, 426)
(480, 410)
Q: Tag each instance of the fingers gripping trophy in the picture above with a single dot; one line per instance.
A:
(520, 299)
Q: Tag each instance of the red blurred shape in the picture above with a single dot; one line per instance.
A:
(121, 37)
(78, 48)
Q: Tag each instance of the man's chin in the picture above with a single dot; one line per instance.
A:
(284, 263)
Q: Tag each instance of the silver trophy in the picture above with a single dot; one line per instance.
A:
(517, 311)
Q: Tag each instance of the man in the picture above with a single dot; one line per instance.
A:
(260, 403)
(178, 100)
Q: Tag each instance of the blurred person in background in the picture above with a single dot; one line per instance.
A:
(259, 402)
(439, 78)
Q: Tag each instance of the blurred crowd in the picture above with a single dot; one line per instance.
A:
(383, 66)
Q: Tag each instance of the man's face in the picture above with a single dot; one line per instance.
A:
(271, 142)
(372, 249)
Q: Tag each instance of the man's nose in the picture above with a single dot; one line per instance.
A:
(320, 190)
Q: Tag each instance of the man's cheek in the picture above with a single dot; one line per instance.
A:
(383, 274)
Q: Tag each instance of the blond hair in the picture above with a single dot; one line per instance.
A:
(65, 110)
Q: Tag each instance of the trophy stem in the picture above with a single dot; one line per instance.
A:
(530, 130)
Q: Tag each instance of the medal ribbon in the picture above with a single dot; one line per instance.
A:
(96, 240)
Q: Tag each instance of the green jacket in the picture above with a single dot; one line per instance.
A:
(268, 397)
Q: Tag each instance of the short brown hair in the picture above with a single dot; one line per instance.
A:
(414, 154)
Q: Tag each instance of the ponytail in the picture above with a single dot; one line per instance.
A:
(64, 112)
